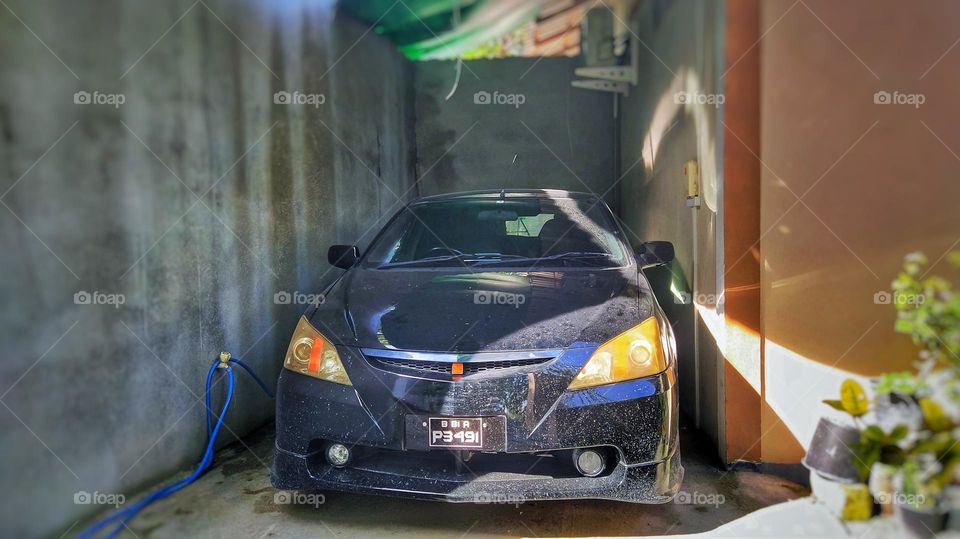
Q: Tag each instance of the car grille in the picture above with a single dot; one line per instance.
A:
(442, 369)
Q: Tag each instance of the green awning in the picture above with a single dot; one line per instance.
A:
(426, 29)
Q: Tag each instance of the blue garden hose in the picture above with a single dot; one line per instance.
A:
(252, 375)
(210, 377)
(120, 518)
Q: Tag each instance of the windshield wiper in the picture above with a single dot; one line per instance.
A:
(465, 257)
(572, 255)
(577, 254)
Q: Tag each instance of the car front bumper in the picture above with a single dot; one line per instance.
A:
(634, 421)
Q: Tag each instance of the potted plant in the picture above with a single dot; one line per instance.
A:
(902, 447)
(918, 493)
(929, 311)
(928, 489)
(878, 457)
(835, 477)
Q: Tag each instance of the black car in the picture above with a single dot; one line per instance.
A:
(495, 345)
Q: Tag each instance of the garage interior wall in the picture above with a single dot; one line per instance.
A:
(841, 201)
(514, 123)
(659, 133)
(198, 199)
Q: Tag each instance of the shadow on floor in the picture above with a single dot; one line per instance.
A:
(235, 499)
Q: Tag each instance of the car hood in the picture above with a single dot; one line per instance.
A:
(462, 311)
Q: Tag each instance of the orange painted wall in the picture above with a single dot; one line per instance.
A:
(741, 228)
(848, 186)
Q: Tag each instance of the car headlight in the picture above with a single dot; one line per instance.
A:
(635, 353)
(312, 354)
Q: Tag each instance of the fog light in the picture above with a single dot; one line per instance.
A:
(589, 462)
(338, 455)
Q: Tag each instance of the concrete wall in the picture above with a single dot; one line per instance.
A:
(663, 125)
(98, 398)
(876, 181)
(560, 137)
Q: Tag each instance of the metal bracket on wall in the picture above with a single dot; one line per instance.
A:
(617, 78)
(603, 86)
(613, 73)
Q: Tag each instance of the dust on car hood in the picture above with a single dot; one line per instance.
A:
(456, 310)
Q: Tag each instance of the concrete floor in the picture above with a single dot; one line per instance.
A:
(235, 499)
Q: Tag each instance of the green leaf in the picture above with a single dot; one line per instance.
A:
(874, 433)
(903, 383)
(934, 416)
(903, 326)
(899, 432)
(865, 462)
(954, 259)
(936, 444)
(835, 404)
(854, 398)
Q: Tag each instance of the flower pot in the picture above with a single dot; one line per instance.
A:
(951, 503)
(829, 452)
(920, 523)
(848, 501)
(953, 521)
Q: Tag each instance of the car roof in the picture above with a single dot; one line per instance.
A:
(507, 193)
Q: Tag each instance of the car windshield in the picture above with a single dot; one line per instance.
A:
(527, 232)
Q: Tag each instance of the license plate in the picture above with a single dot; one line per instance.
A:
(456, 432)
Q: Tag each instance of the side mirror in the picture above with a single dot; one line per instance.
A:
(654, 253)
(343, 256)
